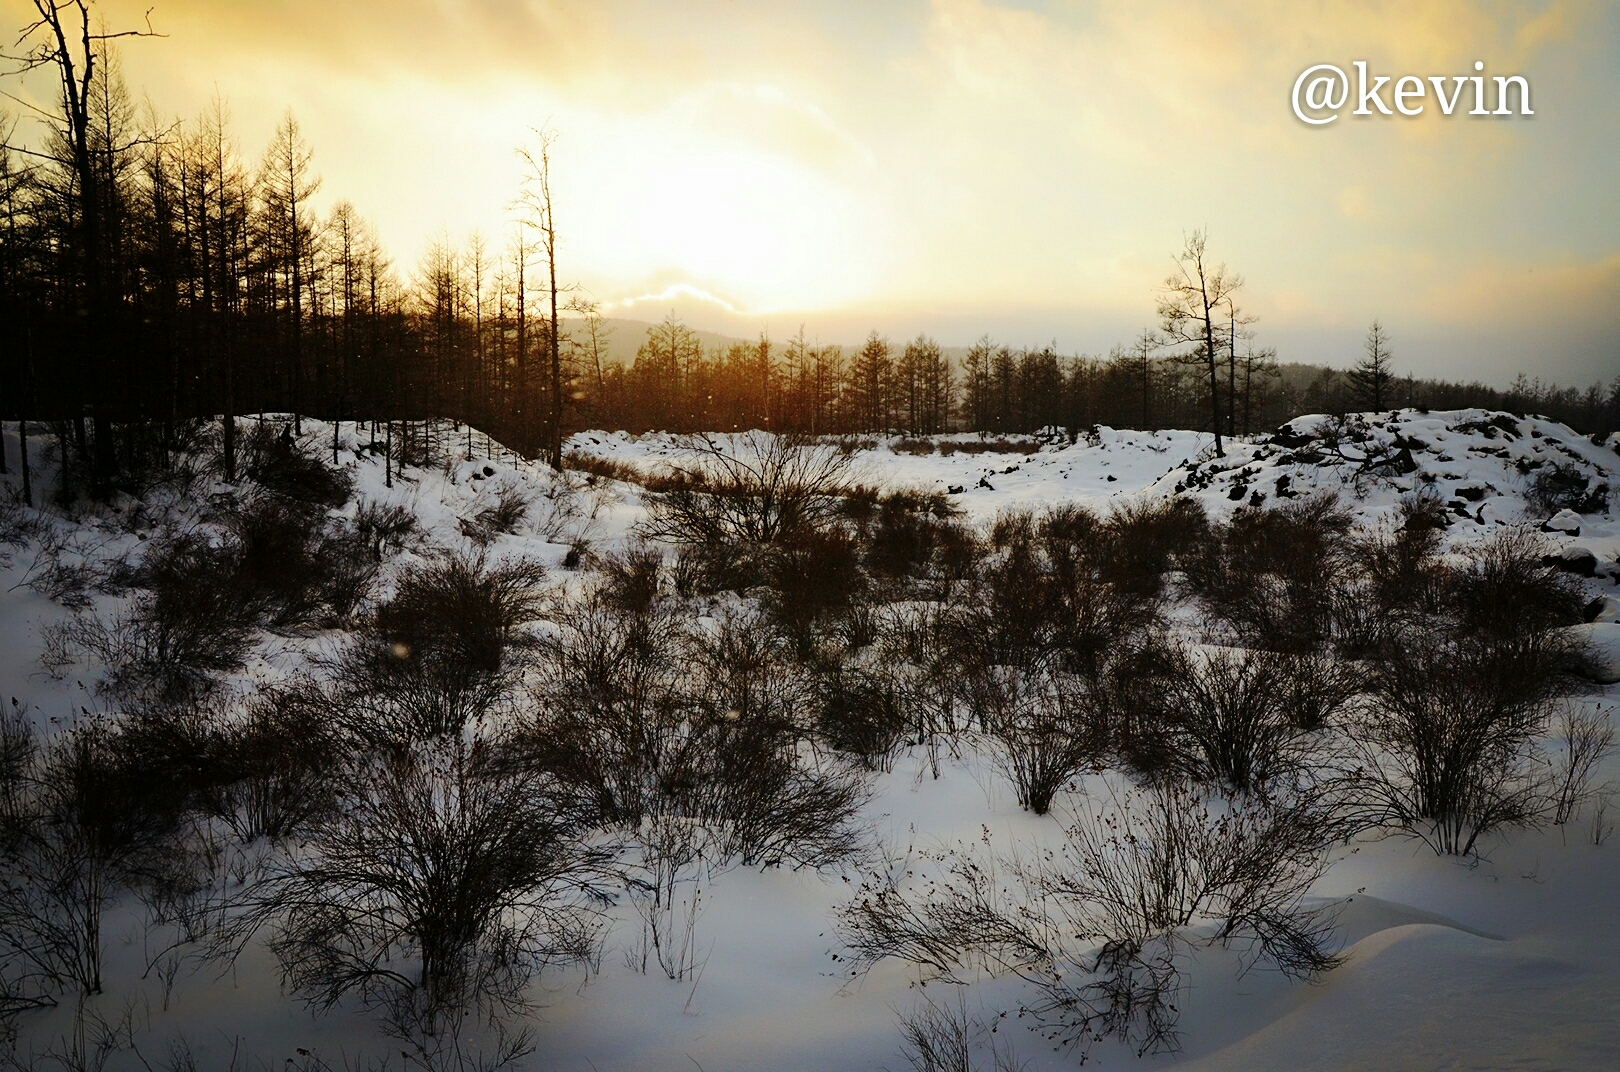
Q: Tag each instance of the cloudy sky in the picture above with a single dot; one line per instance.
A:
(963, 166)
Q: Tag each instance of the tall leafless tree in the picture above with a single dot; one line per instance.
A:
(536, 206)
(1189, 313)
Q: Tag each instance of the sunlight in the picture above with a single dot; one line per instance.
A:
(756, 230)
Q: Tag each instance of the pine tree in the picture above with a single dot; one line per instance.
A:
(1370, 380)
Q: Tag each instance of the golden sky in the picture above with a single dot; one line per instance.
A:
(962, 166)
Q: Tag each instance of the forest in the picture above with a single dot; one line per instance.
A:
(152, 273)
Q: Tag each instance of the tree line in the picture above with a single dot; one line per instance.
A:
(152, 275)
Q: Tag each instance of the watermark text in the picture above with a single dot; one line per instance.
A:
(1321, 92)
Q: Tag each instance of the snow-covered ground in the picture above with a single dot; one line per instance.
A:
(1510, 960)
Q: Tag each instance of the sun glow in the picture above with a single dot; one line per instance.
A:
(754, 228)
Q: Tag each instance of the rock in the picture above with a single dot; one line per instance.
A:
(1603, 609)
(1578, 560)
(1566, 521)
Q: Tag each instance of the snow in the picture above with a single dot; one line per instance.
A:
(1601, 641)
(1509, 961)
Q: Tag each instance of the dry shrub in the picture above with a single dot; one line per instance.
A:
(385, 530)
(814, 581)
(1146, 540)
(1045, 593)
(199, 601)
(604, 468)
(1242, 719)
(1444, 742)
(912, 533)
(1506, 591)
(277, 764)
(1561, 486)
(999, 445)
(498, 518)
(941, 1037)
(447, 648)
(1585, 738)
(443, 881)
(859, 711)
(291, 568)
(1100, 927)
(752, 488)
(273, 459)
(90, 814)
(1269, 573)
(649, 721)
(189, 623)
(1046, 726)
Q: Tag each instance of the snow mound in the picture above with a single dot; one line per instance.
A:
(1487, 467)
(1601, 660)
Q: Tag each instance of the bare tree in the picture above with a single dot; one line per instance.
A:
(535, 203)
(63, 36)
(1189, 314)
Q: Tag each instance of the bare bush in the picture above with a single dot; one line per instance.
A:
(1045, 594)
(1506, 591)
(500, 517)
(752, 488)
(940, 1036)
(443, 881)
(814, 582)
(912, 536)
(384, 530)
(1269, 573)
(648, 721)
(84, 821)
(1399, 580)
(274, 459)
(1585, 738)
(1242, 719)
(276, 765)
(1046, 727)
(446, 649)
(1098, 928)
(859, 710)
(1444, 741)
(610, 715)
(1146, 540)
(1561, 486)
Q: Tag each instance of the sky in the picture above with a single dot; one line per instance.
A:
(962, 167)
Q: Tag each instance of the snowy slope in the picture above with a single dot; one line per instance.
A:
(1511, 961)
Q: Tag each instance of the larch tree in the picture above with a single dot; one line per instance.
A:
(536, 206)
(1371, 378)
(872, 376)
(1142, 349)
(1190, 315)
(288, 187)
(64, 38)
